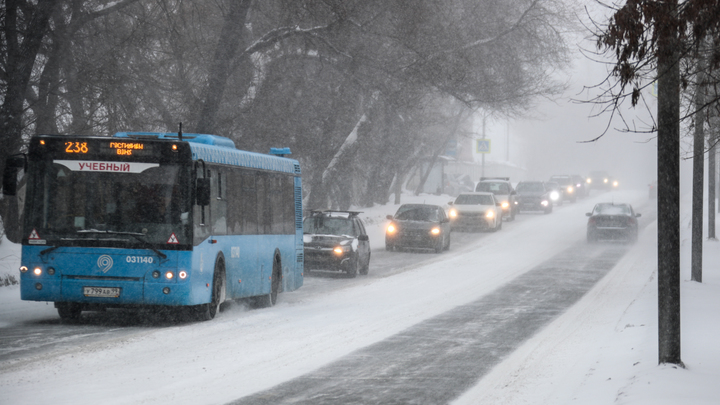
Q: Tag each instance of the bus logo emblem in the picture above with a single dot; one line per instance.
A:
(105, 263)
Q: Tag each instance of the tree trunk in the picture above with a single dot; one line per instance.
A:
(437, 153)
(230, 38)
(698, 176)
(668, 188)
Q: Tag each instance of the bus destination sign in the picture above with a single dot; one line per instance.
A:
(126, 148)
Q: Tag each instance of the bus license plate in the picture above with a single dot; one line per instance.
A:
(102, 292)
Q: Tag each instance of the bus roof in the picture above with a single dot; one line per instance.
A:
(222, 150)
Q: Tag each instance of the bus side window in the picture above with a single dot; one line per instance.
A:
(218, 206)
(263, 216)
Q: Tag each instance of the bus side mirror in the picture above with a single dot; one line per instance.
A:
(13, 164)
(202, 191)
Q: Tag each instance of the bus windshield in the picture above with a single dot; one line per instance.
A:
(149, 204)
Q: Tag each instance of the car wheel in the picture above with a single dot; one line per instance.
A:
(352, 270)
(364, 269)
(447, 245)
(591, 238)
(389, 247)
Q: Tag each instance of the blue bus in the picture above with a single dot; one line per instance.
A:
(156, 219)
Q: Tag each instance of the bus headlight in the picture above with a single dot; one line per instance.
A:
(169, 275)
(37, 271)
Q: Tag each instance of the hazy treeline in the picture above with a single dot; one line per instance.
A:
(358, 89)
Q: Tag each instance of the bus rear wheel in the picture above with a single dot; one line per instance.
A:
(68, 311)
(268, 300)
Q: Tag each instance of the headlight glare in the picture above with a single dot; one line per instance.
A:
(435, 231)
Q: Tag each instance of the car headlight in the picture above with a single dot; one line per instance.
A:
(435, 231)
(453, 213)
(615, 183)
(391, 228)
(489, 214)
(570, 189)
(605, 180)
(505, 205)
(554, 195)
(544, 203)
(341, 249)
(588, 181)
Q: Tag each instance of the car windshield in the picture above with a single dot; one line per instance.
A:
(493, 187)
(417, 214)
(561, 180)
(322, 225)
(531, 187)
(472, 199)
(612, 209)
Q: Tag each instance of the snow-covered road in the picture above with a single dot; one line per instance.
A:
(244, 353)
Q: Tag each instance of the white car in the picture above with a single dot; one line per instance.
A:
(476, 211)
(504, 194)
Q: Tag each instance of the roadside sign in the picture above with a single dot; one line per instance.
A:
(482, 146)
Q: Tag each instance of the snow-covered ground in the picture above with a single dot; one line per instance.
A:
(602, 350)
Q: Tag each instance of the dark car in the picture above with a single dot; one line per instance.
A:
(336, 241)
(612, 221)
(652, 190)
(421, 226)
(568, 190)
(581, 186)
(533, 196)
(601, 180)
(554, 192)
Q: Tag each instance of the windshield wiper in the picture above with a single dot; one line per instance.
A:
(136, 235)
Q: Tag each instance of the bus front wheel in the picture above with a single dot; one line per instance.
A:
(68, 311)
(208, 311)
